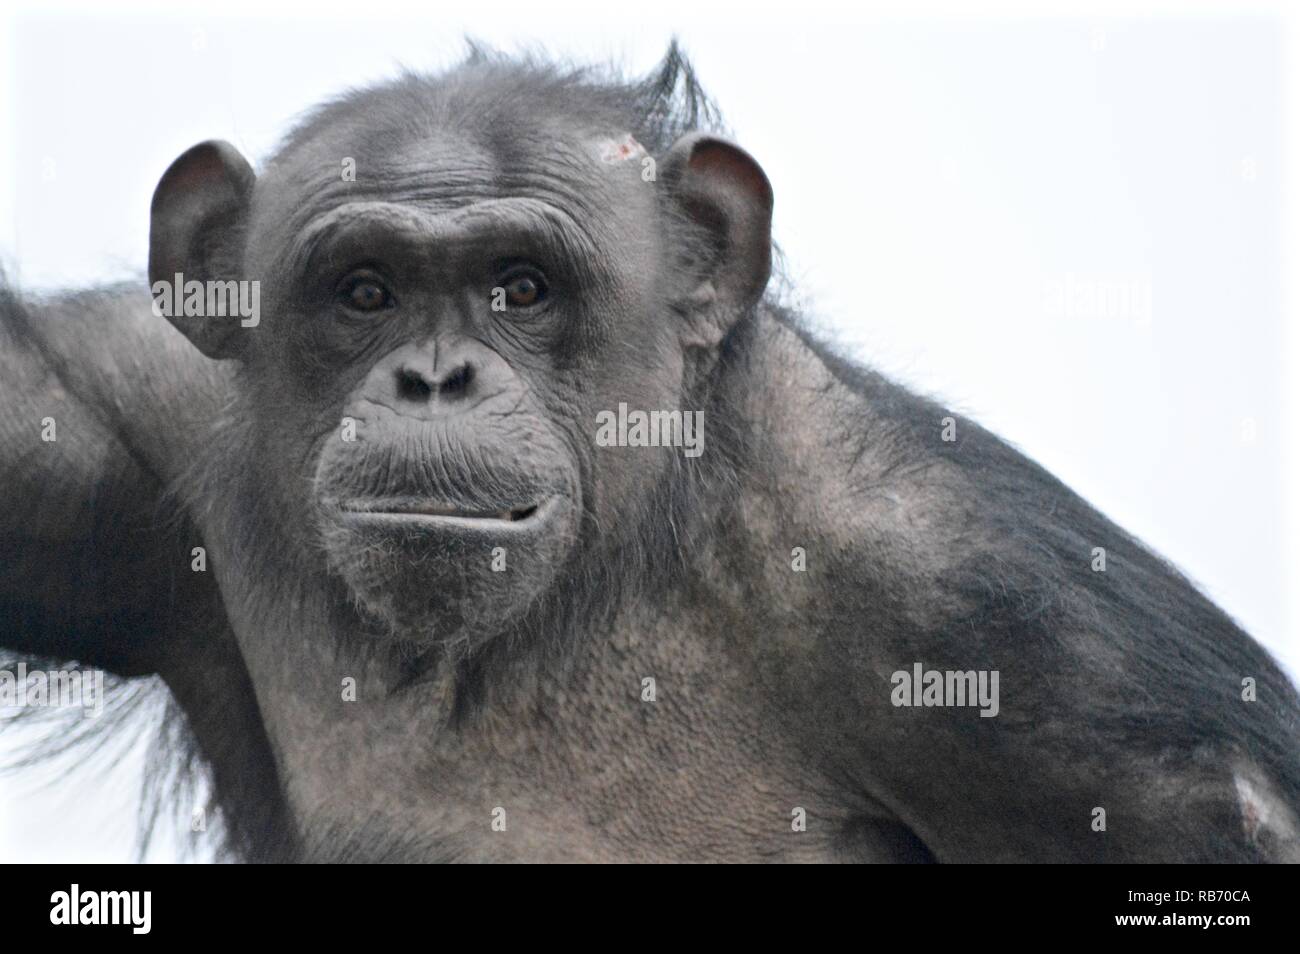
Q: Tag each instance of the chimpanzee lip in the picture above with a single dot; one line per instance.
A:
(434, 512)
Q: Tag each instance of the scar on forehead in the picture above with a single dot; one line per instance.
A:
(619, 150)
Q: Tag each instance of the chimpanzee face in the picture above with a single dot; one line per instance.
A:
(444, 334)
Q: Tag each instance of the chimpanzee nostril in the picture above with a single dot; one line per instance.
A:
(457, 383)
(411, 386)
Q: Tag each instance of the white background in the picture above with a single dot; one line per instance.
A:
(937, 175)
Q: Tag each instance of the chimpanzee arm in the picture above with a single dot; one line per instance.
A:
(94, 566)
(1132, 719)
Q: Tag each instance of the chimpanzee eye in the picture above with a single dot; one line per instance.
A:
(524, 288)
(365, 293)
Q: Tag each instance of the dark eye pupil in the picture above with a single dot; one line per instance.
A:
(367, 295)
(523, 291)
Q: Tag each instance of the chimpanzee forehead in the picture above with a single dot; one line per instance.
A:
(450, 166)
(450, 159)
(587, 185)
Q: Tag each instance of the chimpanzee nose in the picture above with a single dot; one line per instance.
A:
(430, 379)
(421, 383)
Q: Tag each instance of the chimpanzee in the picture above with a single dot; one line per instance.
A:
(518, 518)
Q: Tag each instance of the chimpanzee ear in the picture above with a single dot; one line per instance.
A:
(726, 195)
(197, 216)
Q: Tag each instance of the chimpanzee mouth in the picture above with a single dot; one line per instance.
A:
(435, 512)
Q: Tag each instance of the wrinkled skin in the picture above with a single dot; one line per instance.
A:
(356, 462)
